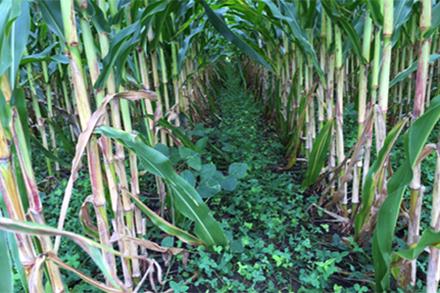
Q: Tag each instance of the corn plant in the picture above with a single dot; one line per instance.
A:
(97, 85)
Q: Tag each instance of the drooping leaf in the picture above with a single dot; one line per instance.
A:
(122, 44)
(220, 25)
(165, 226)
(103, 287)
(291, 18)
(45, 55)
(51, 12)
(92, 248)
(429, 238)
(186, 45)
(410, 69)
(334, 10)
(178, 133)
(187, 201)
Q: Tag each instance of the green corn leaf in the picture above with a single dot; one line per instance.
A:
(185, 45)
(98, 18)
(5, 112)
(401, 15)
(41, 56)
(371, 180)
(51, 13)
(92, 248)
(295, 138)
(290, 17)
(375, 8)
(121, 46)
(159, 21)
(415, 140)
(220, 25)
(48, 153)
(5, 7)
(429, 238)
(183, 138)
(435, 21)
(19, 37)
(410, 69)
(334, 10)
(15, 258)
(19, 101)
(165, 226)
(45, 55)
(14, 35)
(187, 201)
(6, 278)
(319, 153)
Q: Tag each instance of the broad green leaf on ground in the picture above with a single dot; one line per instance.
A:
(238, 170)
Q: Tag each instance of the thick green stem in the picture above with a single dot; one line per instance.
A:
(416, 186)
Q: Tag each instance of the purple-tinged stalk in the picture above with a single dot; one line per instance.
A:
(416, 186)
(433, 273)
(388, 11)
(11, 196)
(339, 104)
(373, 93)
(330, 96)
(431, 75)
(362, 105)
(322, 56)
(84, 112)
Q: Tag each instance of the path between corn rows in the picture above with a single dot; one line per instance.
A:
(276, 246)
